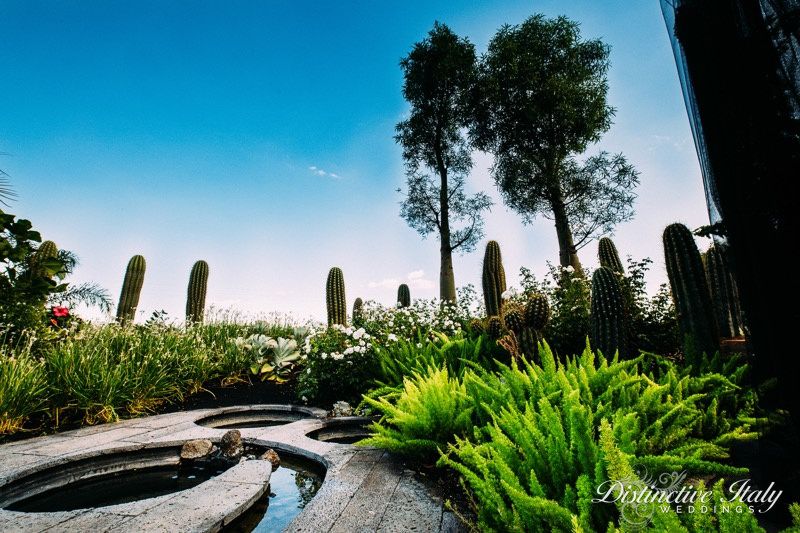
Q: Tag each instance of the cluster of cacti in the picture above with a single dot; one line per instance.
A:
(610, 328)
(526, 321)
(493, 280)
(131, 289)
(690, 291)
(358, 311)
(609, 257)
(724, 294)
(196, 293)
(335, 297)
(403, 296)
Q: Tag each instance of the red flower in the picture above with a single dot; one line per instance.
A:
(60, 312)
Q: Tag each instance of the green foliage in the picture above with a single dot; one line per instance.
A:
(339, 364)
(430, 411)
(131, 289)
(196, 292)
(610, 318)
(403, 296)
(609, 256)
(27, 278)
(494, 279)
(690, 289)
(23, 387)
(335, 298)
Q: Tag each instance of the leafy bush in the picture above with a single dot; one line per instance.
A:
(339, 363)
(430, 411)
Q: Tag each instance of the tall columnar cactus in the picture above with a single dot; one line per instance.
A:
(690, 291)
(494, 279)
(196, 293)
(131, 289)
(335, 298)
(403, 296)
(724, 296)
(608, 255)
(609, 319)
(358, 311)
(537, 314)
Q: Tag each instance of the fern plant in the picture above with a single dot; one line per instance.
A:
(430, 411)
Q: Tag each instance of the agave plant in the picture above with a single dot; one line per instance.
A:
(277, 358)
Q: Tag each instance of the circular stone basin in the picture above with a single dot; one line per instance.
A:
(110, 479)
(343, 430)
(270, 415)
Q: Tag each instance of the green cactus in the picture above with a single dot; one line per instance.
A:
(608, 255)
(358, 311)
(403, 296)
(477, 326)
(690, 291)
(196, 293)
(131, 289)
(609, 317)
(494, 327)
(335, 298)
(494, 279)
(514, 317)
(537, 311)
(46, 250)
(528, 341)
(724, 295)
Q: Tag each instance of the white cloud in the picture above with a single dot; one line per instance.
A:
(384, 283)
(417, 274)
(322, 173)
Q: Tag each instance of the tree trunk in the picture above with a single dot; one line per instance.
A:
(447, 280)
(567, 253)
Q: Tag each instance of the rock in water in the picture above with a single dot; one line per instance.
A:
(272, 456)
(231, 444)
(195, 449)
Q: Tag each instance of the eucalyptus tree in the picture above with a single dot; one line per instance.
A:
(438, 75)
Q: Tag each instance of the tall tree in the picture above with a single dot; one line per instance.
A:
(540, 101)
(439, 73)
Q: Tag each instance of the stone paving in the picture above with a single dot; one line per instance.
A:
(364, 490)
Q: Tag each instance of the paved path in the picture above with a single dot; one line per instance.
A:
(365, 490)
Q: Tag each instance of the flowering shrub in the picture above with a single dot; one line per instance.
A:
(339, 364)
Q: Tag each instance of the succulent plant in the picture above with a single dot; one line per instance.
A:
(358, 311)
(196, 293)
(494, 279)
(724, 294)
(609, 317)
(494, 327)
(477, 326)
(335, 298)
(46, 250)
(608, 255)
(690, 291)
(514, 317)
(131, 289)
(528, 341)
(403, 296)
(537, 311)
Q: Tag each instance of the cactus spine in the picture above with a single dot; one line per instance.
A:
(494, 279)
(403, 296)
(609, 256)
(690, 291)
(609, 320)
(537, 314)
(514, 317)
(358, 311)
(724, 295)
(131, 289)
(494, 327)
(196, 293)
(335, 298)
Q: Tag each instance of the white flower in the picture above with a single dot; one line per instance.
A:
(324, 356)
(391, 337)
(362, 343)
(569, 268)
(509, 293)
(337, 356)
(359, 333)
(348, 351)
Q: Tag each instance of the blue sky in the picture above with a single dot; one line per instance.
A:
(258, 136)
